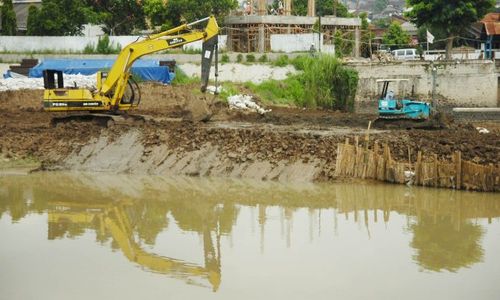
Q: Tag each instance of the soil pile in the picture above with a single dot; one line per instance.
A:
(284, 144)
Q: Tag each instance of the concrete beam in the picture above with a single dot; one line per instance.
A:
(293, 20)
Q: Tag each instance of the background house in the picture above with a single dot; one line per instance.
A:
(21, 8)
(488, 32)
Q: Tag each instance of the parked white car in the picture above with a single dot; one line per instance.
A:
(405, 54)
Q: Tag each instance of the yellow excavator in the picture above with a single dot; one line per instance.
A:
(116, 91)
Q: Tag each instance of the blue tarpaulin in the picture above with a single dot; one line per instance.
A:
(146, 69)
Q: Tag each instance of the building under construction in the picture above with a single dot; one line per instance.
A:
(250, 30)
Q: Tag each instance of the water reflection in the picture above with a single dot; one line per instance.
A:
(441, 246)
(129, 213)
(118, 220)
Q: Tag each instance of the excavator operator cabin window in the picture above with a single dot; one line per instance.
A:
(50, 77)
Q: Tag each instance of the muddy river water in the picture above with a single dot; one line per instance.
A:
(88, 236)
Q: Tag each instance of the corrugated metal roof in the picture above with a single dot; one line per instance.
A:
(492, 23)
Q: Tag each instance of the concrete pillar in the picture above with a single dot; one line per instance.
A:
(357, 42)
(262, 38)
(311, 8)
(288, 7)
(262, 8)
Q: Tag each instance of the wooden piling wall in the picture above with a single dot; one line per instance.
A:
(377, 163)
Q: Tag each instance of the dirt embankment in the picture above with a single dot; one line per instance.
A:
(285, 144)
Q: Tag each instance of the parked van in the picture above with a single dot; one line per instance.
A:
(405, 54)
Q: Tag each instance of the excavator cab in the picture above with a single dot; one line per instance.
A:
(51, 77)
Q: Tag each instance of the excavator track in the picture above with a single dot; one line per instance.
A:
(437, 121)
(102, 119)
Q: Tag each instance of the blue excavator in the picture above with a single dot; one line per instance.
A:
(404, 113)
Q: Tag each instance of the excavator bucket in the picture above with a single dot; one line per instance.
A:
(209, 50)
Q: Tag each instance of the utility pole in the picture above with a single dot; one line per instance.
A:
(335, 7)
(434, 75)
(319, 34)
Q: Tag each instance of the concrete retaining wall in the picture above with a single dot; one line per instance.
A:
(463, 83)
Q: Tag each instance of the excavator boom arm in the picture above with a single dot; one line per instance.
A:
(176, 37)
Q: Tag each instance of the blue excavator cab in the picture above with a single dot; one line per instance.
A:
(391, 108)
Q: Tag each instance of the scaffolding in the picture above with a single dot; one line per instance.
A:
(252, 33)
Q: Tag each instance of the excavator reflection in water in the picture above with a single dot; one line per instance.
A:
(113, 218)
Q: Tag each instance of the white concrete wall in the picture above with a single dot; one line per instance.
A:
(465, 84)
(279, 43)
(44, 43)
(198, 44)
(69, 43)
(294, 42)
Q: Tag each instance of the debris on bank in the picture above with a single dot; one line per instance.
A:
(482, 130)
(214, 89)
(245, 102)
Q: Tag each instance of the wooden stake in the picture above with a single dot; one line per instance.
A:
(409, 156)
(367, 136)
(436, 171)
(459, 170)
(418, 169)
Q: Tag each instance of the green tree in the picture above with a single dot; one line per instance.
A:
(120, 17)
(380, 5)
(344, 43)
(175, 12)
(396, 37)
(8, 16)
(323, 8)
(57, 17)
(155, 11)
(33, 19)
(366, 35)
(454, 17)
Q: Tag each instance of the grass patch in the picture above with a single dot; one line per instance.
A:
(224, 59)
(104, 46)
(289, 91)
(324, 83)
(239, 58)
(282, 61)
(191, 50)
(250, 58)
(228, 89)
(182, 78)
